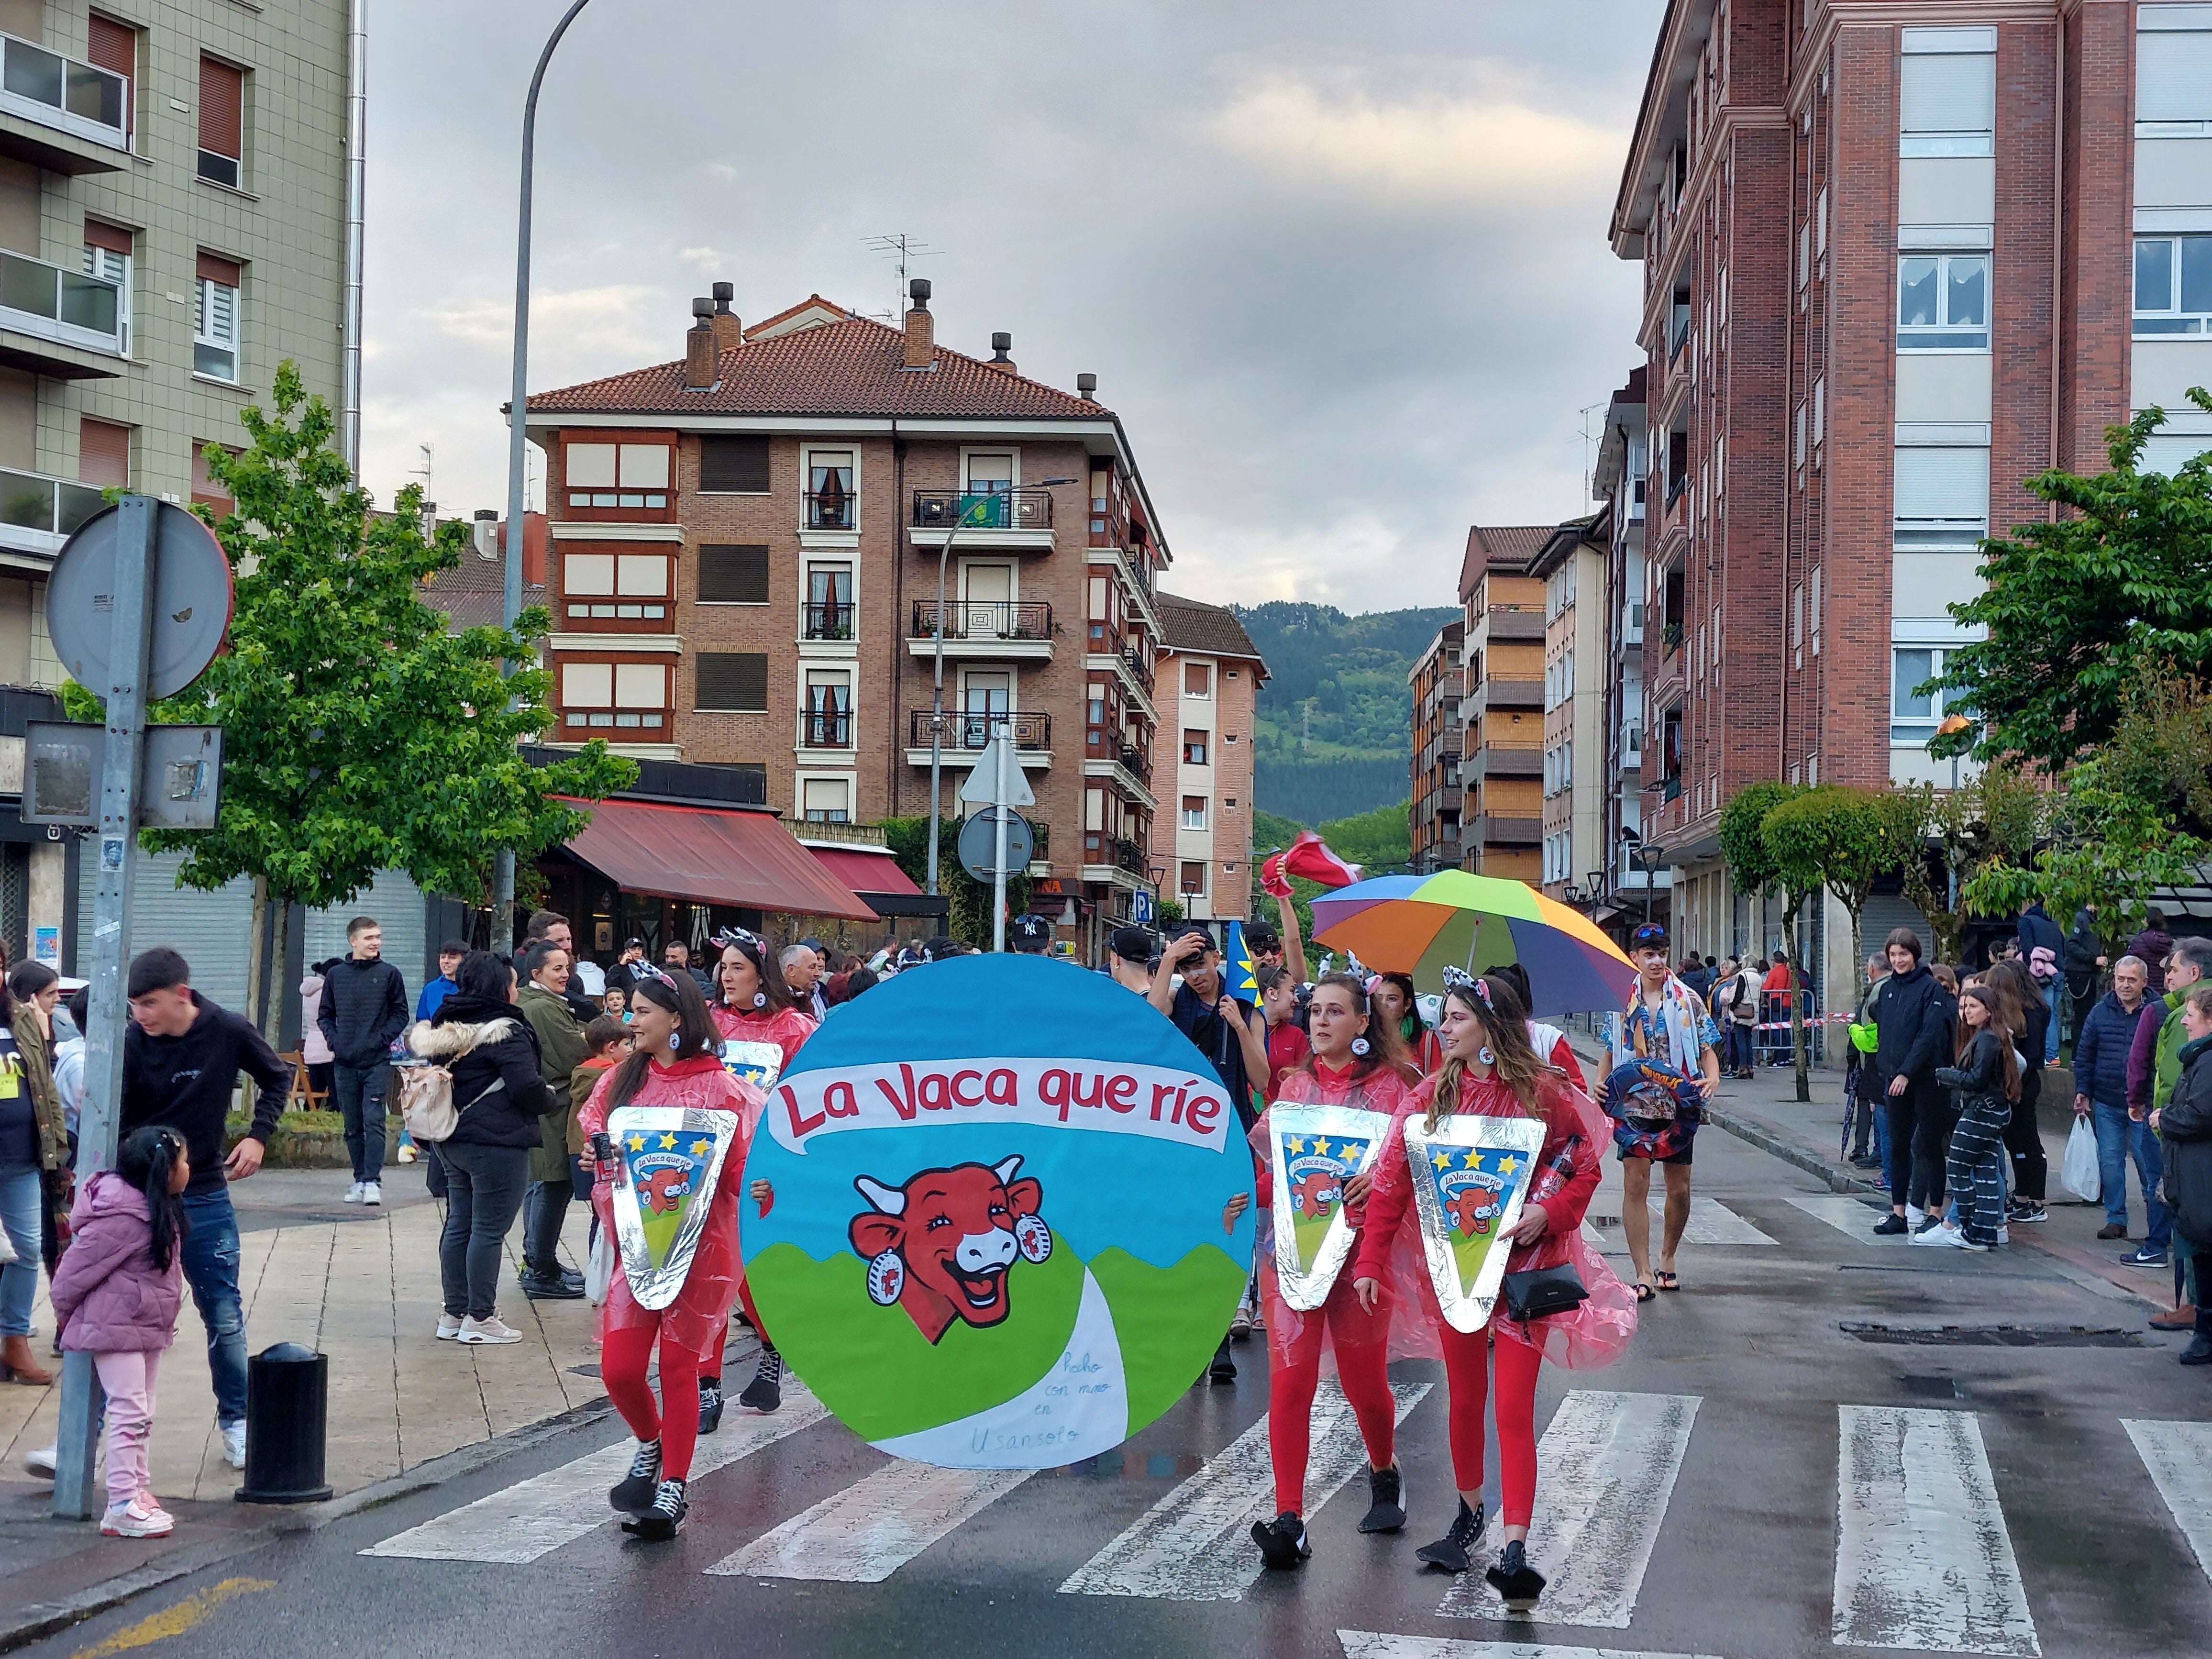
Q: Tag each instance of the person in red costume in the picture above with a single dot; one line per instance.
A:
(752, 1003)
(1491, 1068)
(675, 1065)
(1357, 1061)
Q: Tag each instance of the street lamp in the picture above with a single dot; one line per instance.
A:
(1953, 724)
(937, 673)
(1646, 856)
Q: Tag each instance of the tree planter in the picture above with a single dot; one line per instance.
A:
(310, 1140)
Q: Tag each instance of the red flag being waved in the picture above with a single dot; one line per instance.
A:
(1307, 856)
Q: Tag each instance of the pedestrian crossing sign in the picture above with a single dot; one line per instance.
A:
(1314, 1151)
(1470, 1174)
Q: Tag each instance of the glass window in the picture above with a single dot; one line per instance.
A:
(2173, 285)
(215, 331)
(1943, 302)
(1914, 714)
(830, 504)
(1192, 883)
(1193, 748)
(1194, 811)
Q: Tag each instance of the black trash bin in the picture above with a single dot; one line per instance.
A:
(287, 1391)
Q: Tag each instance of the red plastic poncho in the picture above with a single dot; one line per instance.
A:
(695, 1320)
(1591, 1335)
(787, 1028)
(1384, 1093)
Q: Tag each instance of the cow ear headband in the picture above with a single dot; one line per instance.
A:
(1458, 979)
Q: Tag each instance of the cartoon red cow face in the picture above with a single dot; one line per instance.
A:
(664, 1187)
(939, 1245)
(1472, 1210)
(1312, 1193)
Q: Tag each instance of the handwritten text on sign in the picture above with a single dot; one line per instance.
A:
(1082, 1094)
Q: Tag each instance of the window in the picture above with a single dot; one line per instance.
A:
(828, 603)
(1197, 680)
(733, 683)
(620, 697)
(1943, 497)
(829, 717)
(1943, 302)
(1915, 714)
(616, 475)
(1193, 882)
(990, 474)
(611, 587)
(113, 46)
(205, 489)
(831, 504)
(1229, 806)
(733, 465)
(733, 573)
(1947, 95)
(1193, 748)
(2173, 72)
(103, 453)
(214, 319)
(106, 255)
(826, 800)
(2173, 285)
(1194, 811)
(222, 122)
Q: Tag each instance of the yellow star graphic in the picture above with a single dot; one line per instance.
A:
(1508, 1165)
(1442, 1161)
(637, 1143)
(1473, 1160)
(700, 1148)
(1294, 1142)
(1322, 1147)
(667, 1142)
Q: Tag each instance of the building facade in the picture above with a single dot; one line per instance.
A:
(747, 547)
(1573, 566)
(1618, 479)
(1207, 677)
(1502, 763)
(1438, 681)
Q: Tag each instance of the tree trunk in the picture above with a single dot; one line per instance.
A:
(1796, 1010)
(257, 984)
(280, 923)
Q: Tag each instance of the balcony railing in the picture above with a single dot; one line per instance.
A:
(38, 514)
(65, 306)
(1134, 760)
(984, 619)
(60, 92)
(826, 728)
(826, 619)
(966, 729)
(828, 509)
(1137, 664)
(989, 509)
(1123, 854)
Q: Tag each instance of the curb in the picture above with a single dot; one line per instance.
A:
(1787, 1151)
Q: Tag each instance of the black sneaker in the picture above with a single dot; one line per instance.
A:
(665, 1517)
(1890, 1225)
(1386, 1505)
(1282, 1541)
(540, 1285)
(1929, 1220)
(1224, 1368)
(2024, 1214)
(710, 1404)
(1518, 1583)
(2199, 1351)
(574, 1279)
(1451, 1552)
(634, 1493)
(765, 1392)
(2149, 1256)
(1866, 1162)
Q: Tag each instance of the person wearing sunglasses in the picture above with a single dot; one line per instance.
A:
(1665, 1023)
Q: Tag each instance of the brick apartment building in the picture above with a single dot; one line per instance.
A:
(1618, 479)
(1573, 565)
(1438, 682)
(1207, 675)
(746, 546)
(1896, 260)
(1502, 764)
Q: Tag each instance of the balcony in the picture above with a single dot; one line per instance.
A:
(968, 732)
(832, 509)
(988, 518)
(1496, 760)
(1495, 693)
(1113, 858)
(38, 514)
(59, 112)
(58, 322)
(1001, 630)
(825, 728)
(1510, 623)
(827, 619)
(1497, 829)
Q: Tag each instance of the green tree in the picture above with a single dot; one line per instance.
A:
(968, 900)
(1945, 838)
(1743, 847)
(1844, 833)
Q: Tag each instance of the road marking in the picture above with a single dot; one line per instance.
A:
(175, 1621)
(1370, 1645)
(534, 1517)
(1194, 1545)
(2179, 1458)
(1605, 1469)
(1711, 1222)
(867, 1532)
(1846, 1215)
(1923, 1558)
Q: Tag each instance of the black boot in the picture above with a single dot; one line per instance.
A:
(1224, 1368)
(1386, 1500)
(661, 1520)
(634, 1493)
(1451, 1551)
(710, 1404)
(1282, 1541)
(543, 1282)
(765, 1392)
(1518, 1583)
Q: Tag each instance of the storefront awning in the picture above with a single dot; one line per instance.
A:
(743, 858)
(876, 877)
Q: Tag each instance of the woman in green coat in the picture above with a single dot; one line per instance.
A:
(561, 1046)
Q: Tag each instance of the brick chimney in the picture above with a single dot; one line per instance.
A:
(920, 327)
(699, 365)
(1002, 344)
(729, 332)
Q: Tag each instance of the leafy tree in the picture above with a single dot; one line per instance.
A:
(1381, 840)
(1844, 833)
(2075, 607)
(1945, 838)
(968, 900)
(1743, 847)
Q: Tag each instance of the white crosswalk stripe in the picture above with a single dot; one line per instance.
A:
(1605, 1470)
(534, 1517)
(2179, 1458)
(1923, 1558)
(1711, 1222)
(1845, 1214)
(1194, 1544)
(867, 1532)
(1371, 1644)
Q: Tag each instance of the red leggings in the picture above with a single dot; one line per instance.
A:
(1467, 1371)
(1291, 1385)
(622, 1359)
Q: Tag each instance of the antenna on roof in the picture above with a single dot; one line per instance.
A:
(903, 249)
(1590, 441)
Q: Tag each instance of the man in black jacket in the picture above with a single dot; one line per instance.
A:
(1914, 1016)
(364, 1011)
(2185, 1123)
(181, 1058)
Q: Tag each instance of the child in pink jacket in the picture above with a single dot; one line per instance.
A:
(116, 1294)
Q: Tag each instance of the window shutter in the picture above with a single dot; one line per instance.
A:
(1952, 92)
(2173, 76)
(1943, 483)
(214, 268)
(731, 574)
(103, 453)
(2168, 452)
(112, 45)
(223, 109)
(113, 238)
(733, 464)
(733, 682)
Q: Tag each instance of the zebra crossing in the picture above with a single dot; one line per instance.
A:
(1924, 1560)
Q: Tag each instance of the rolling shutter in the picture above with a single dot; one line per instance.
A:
(397, 903)
(733, 573)
(211, 929)
(733, 464)
(103, 453)
(1955, 92)
(2173, 76)
(112, 45)
(1943, 483)
(733, 682)
(223, 109)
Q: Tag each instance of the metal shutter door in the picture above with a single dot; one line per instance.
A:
(733, 573)
(733, 682)
(211, 929)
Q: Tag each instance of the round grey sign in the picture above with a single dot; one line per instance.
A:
(191, 600)
(979, 842)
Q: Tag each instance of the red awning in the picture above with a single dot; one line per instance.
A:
(743, 858)
(865, 871)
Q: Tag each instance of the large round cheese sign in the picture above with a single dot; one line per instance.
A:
(998, 1232)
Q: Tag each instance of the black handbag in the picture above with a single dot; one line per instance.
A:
(1541, 1290)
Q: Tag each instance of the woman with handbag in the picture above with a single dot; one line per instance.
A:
(1489, 1068)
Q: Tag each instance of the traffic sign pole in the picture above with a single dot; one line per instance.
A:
(1006, 764)
(136, 561)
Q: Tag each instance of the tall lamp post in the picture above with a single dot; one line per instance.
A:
(937, 662)
(517, 424)
(1648, 857)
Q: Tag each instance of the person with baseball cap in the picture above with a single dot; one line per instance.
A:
(1129, 959)
(1665, 1021)
(1028, 935)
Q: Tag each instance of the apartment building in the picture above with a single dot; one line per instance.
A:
(1618, 479)
(173, 224)
(1207, 675)
(744, 564)
(1502, 753)
(1896, 260)
(1573, 566)
(1438, 682)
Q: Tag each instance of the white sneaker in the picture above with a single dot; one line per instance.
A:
(1914, 1215)
(449, 1327)
(481, 1331)
(234, 1444)
(372, 1192)
(41, 1462)
(1942, 1235)
(141, 1518)
(2004, 1235)
(352, 1193)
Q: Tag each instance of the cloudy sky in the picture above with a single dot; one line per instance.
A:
(1341, 269)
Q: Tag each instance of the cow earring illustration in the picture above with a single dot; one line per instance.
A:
(1485, 1056)
(887, 1277)
(1359, 1047)
(759, 999)
(675, 1039)
(1034, 1237)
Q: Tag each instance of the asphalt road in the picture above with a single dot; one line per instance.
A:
(1827, 1493)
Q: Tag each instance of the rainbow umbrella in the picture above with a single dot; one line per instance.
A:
(1418, 924)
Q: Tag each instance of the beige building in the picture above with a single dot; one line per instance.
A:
(1573, 567)
(1501, 825)
(1205, 683)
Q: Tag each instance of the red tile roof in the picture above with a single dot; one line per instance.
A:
(1203, 629)
(852, 367)
(1509, 547)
